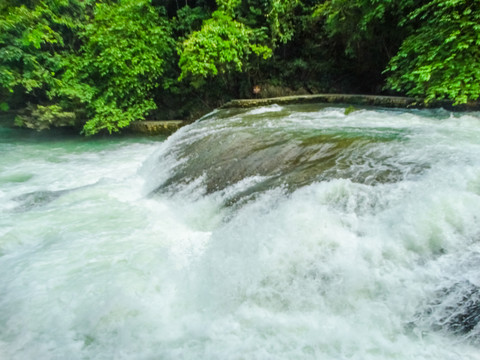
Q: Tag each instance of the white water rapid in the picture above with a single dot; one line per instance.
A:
(292, 232)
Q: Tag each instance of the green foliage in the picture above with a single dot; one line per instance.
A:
(228, 6)
(351, 21)
(127, 47)
(364, 23)
(4, 106)
(189, 19)
(363, 35)
(281, 19)
(441, 59)
(221, 46)
(32, 40)
(274, 21)
(106, 63)
(40, 117)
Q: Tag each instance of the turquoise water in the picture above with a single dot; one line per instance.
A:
(272, 233)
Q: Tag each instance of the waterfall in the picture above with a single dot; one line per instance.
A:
(281, 232)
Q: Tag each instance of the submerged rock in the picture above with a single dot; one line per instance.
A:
(36, 199)
(456, 309)
(227, 148)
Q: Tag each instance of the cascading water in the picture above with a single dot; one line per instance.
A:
(292, 232)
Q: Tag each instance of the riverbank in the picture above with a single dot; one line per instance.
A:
(168, 127)
(147, 127)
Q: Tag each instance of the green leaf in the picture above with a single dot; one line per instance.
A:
(4, 106)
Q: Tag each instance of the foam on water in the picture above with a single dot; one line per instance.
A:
(337, 268)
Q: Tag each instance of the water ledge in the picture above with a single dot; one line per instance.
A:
(373, 100)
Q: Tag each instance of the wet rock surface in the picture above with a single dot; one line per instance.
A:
(455, 309)
(290, 156)
(166, 127)
(371, 100)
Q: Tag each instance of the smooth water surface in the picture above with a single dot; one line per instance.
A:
(271, 233)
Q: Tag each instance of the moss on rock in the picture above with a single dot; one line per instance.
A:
(166, 127)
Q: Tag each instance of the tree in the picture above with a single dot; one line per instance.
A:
(105, 63)
(364, 35)
(221, 46)
(441, 58)
(34, 37)
(127, 49)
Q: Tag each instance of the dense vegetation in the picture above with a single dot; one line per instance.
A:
(100, 64)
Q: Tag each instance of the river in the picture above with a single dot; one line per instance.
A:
(281, 232)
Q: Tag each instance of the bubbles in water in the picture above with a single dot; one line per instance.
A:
(296, 233)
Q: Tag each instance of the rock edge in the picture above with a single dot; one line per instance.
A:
(373, 100)
(164, 127)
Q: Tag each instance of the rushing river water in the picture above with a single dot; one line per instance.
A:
(271, 233)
